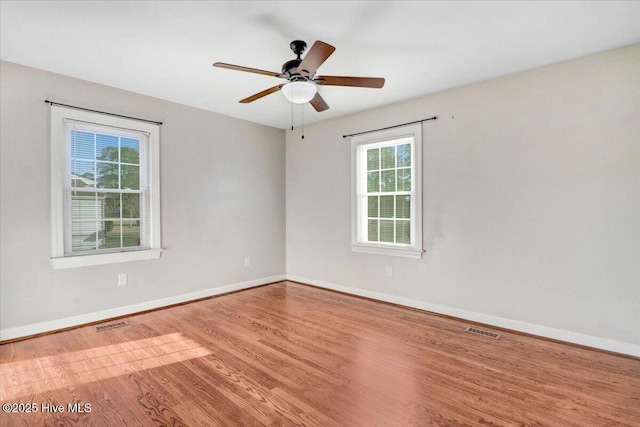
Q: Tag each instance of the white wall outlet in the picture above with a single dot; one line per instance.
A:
(389, 271)
(122, 279)
(247, 261)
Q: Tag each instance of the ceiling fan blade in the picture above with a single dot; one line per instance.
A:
(373, 82)
(318, 103)
(261, 94)
(247, 69)
(318, 53)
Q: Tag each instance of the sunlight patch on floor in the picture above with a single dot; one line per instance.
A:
(34, 376)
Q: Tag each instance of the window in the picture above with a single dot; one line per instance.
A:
(105, 187)
(387, 196)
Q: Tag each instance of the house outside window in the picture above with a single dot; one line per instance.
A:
(387, 192)
(105, 189)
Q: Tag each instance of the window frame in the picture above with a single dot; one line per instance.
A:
(59, 258)
(359, 205)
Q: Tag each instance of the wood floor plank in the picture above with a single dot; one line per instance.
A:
(288, 354)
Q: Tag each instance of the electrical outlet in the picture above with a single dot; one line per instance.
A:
(389, 271)
(247, 261)
(122, 279)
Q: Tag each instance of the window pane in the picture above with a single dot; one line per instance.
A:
(386, 206)
(130, 233)
(129, 150)
(373, 230)
(130, 205)
(111, 235)
(111, 205)
(85, 205)
(404, 179)
(373, 182)
(403, 232)
(82, 173)
(403, 206)
(82, 145)
(373, 159)
(373, 207)
(107, 147)
(107, 175)
(404, 155)
(388, 181)
(130, 177)
(83, 236)
(386, 231)
(388, 155)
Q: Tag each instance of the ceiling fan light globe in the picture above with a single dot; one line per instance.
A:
(299, 92)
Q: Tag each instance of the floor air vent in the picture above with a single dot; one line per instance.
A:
(111, 326)
(483, 332)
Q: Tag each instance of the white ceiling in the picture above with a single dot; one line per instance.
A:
(165, 48)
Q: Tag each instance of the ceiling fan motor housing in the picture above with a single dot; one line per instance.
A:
(290, 69)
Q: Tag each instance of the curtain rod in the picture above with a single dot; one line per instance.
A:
(390, 127)
(102, 112)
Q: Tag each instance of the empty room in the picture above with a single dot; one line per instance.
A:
(319, 213)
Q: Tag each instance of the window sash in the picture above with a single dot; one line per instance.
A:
(98, 235)
(363, 194)
(100, 221)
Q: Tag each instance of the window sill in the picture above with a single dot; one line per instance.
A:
(387, 250)
(100, 259)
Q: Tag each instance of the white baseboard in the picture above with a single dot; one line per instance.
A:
(515, 325)
(501, 322)
(67, 322)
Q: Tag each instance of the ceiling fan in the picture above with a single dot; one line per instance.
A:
(301, 74)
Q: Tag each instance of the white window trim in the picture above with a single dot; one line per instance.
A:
(58, 258)
(414, 251)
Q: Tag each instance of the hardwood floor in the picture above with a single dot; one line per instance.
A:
(288, 354)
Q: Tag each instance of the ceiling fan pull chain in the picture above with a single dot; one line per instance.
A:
(302, 105)
(291, 115)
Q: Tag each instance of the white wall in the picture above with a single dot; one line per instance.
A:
(222, 195)
(531, 202)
